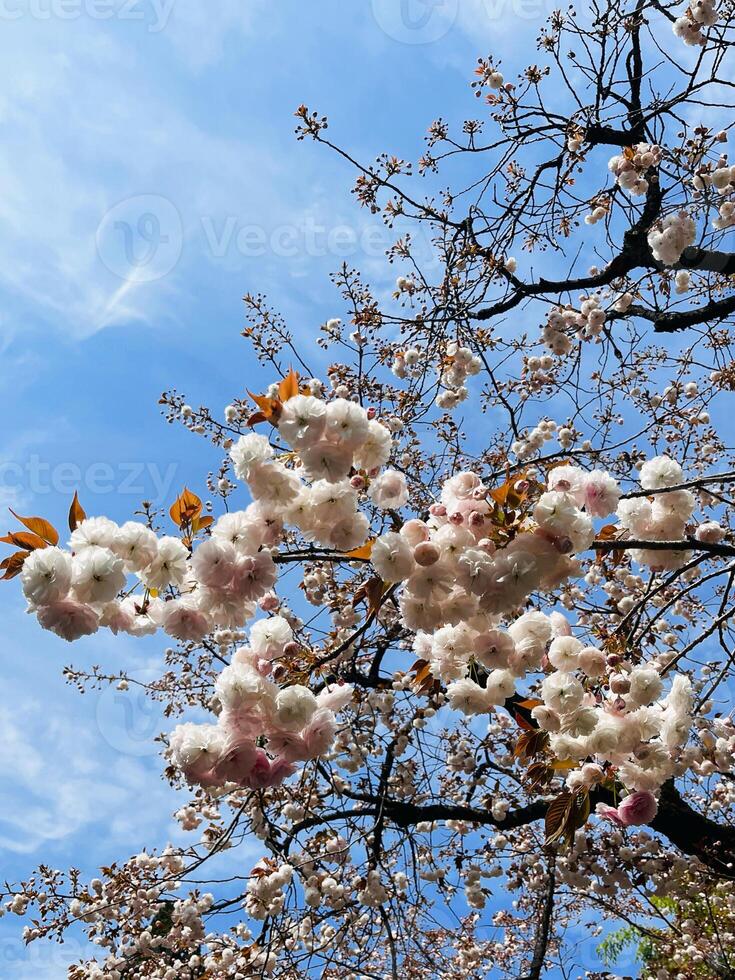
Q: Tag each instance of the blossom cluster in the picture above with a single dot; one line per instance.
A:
(689, 27)
(457, 364)
(664, 517)
(668, 238)
(460, 582)
(254, 712)
(630, 729)
(459, 587)
(586, 324)
(629, 167)
(189, 592)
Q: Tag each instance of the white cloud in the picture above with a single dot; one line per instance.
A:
(61, 779)
(198, 30)
(91, 127)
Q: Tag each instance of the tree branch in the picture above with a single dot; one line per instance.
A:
(690, 544)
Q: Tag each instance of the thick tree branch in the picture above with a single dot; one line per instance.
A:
(665, 322)
(690, 544)
(691, 832)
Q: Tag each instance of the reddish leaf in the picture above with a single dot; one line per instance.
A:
(24, 539)
(289, 387)
(76, 513)
(557, 815)
(376, 589)
(201, 522)
(186, 509)
(364, 551)
(13, 565)
(40, 527)
(523, 722)
(269, 407)
(566, 814)
(537, 774)
(530, 744)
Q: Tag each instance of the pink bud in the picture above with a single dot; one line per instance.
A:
(636, 809)
(619, 684)
(456, 518)
(438, 510)
(426, 554)
(357, 482)
(415, 531)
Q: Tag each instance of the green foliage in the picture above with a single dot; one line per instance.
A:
(654, 948)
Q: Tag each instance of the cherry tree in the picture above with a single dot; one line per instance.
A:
(458, 612)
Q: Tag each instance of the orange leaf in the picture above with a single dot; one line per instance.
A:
(76, 513)
(364, 551)
(508, 492)
(289, 387)
(186, 509)
(376, 589)
(201, 522)
(14, 564)
(557, 816)
(270, 407)
(39, 526)
(24, 539)
(257, 417)
(371, 592)
(524, 723)
(531, 744)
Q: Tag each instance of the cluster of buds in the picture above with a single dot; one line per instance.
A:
(533, 440)
(458, 365)
(586, 323)
(575, 139)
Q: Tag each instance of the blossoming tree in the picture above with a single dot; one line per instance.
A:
(496, 711)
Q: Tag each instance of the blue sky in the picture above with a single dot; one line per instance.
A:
(149, 178)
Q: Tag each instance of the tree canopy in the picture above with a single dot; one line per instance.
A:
(452, 621)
